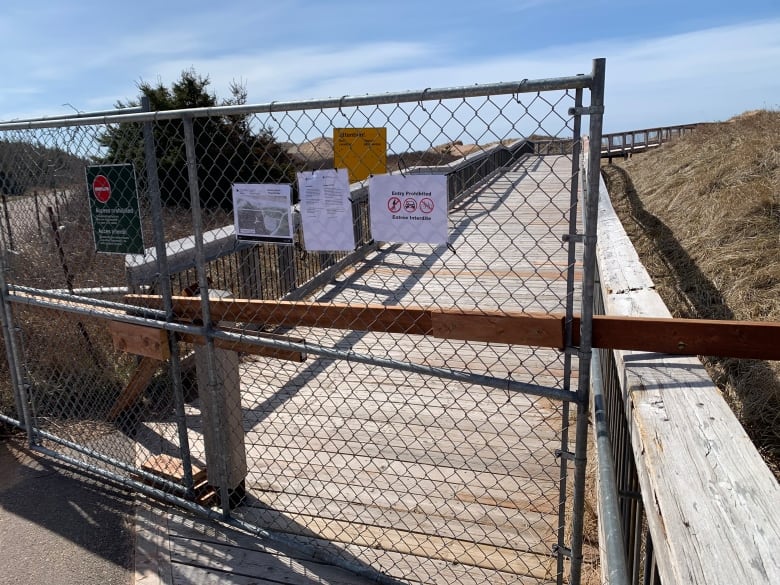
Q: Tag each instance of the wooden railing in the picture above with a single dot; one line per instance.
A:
(698, 504)
(632, 141)
(283, 271)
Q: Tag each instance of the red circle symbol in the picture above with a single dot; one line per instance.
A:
(426, 205)
(394, 205)
(410, 205)
(101, 188)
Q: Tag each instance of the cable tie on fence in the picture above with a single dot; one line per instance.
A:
(422, 98)
(402, 165)
(519, 86)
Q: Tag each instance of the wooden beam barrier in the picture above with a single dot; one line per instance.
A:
(151, 342)
(742, 339)
(737, 339)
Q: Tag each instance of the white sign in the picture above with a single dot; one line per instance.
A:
(326, 210)
(410, 208)
(262, 211)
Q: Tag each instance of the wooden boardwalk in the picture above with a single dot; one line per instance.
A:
(424, 479)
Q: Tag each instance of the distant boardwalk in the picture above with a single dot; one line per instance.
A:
(421, 478)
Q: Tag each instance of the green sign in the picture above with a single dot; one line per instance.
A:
(113, 205)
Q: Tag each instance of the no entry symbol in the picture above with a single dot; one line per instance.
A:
(426, 205)
(394, 205)
(101, 188)
(410, 205)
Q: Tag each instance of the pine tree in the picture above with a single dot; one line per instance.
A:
(229, 149)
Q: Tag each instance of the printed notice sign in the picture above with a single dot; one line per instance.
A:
(362, 151)
(326, 210)
(261, 212)
(408, 209)
(113, 206)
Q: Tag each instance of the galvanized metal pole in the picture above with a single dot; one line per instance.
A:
(567, 358)
(211, 359)
(611, 532)
(596, 113)
(150, 156)
(21, 398)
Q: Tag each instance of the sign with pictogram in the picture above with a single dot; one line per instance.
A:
(410, 208)
(362, 151)
(114, 209)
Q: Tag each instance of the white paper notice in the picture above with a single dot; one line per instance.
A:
(326, 211)
(262, 211)
(408, 209)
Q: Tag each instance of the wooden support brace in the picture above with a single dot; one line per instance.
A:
(150, 342)
(138, 382)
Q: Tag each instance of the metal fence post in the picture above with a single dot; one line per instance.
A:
(223, 435)
(150, 158)
(596, 113)
(567, 358)
(21, 398)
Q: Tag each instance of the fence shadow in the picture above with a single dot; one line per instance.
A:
(58, 526)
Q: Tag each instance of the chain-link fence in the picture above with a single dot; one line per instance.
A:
(368, 403)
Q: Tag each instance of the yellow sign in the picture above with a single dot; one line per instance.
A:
(362, 151)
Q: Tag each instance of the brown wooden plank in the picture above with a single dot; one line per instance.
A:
(291, 313)
(409, 569)
(150, 342)
(513, 328)
(508, 517)
(739, 339)
(138, 382)
(171, 468)
(674, 336)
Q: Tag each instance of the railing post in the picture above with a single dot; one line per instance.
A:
(249, 274)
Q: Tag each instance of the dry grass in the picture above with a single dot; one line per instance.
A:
(704, 215)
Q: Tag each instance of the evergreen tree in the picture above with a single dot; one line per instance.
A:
(229, 149)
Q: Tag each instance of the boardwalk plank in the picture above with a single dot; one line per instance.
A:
(426, 479)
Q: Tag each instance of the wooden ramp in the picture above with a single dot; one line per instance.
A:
(420, 478)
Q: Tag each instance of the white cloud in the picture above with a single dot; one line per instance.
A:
(283, 74)
(700, 75)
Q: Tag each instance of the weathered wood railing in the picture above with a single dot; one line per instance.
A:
(697, 502)
(631, 141)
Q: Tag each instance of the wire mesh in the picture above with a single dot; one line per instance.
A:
(410, 454)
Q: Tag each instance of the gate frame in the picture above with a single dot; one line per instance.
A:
(594, 82)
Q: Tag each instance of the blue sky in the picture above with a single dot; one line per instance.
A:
(667, 62)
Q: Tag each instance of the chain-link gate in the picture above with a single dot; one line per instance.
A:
(372, 407)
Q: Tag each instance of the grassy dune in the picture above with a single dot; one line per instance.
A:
(704, 214)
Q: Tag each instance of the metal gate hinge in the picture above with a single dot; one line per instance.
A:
(586, 110)
(576, 238)
(561, 550)
(568, 455)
